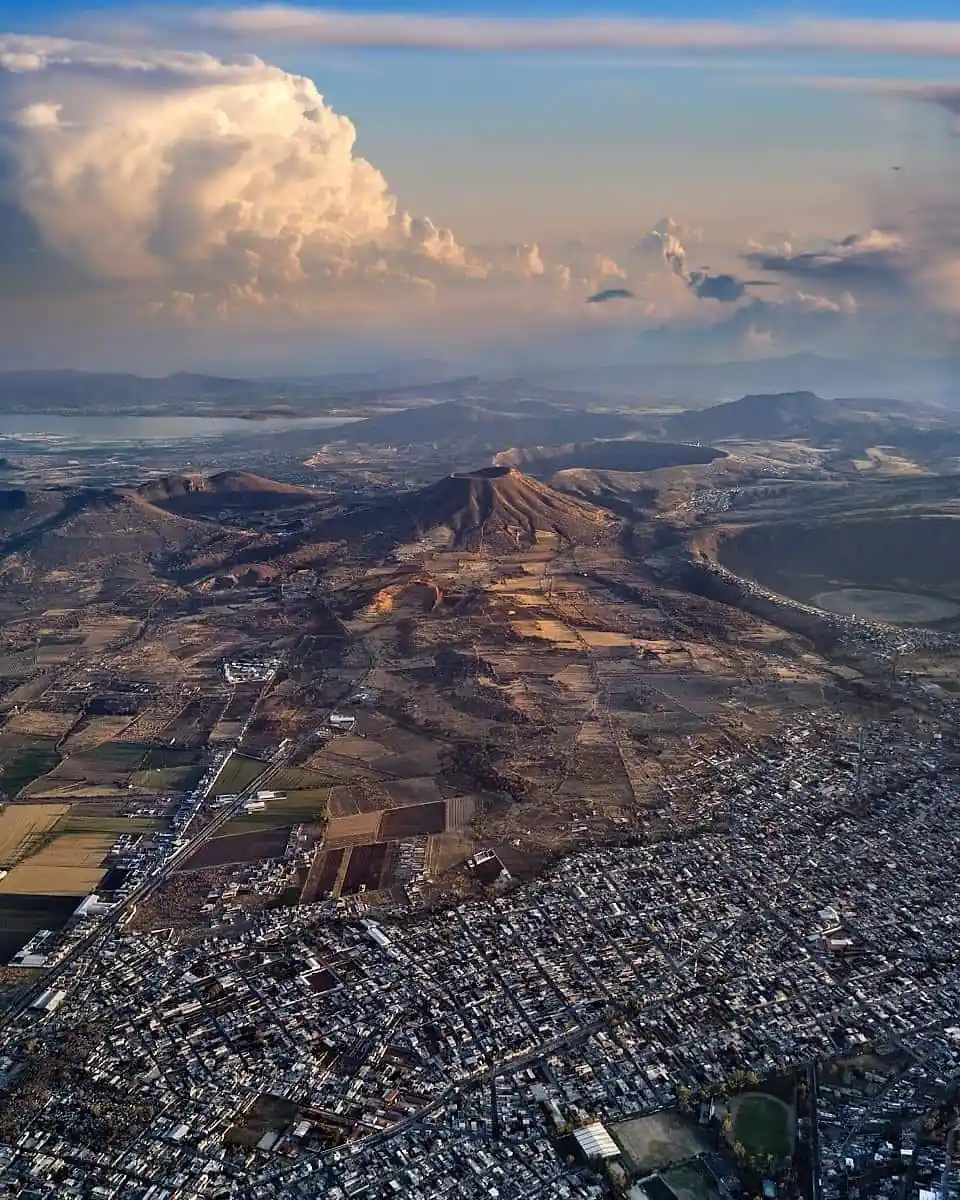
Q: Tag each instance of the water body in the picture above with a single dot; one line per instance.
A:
(898, 608)
(53, 431)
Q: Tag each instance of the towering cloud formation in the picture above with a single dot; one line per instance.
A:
(204, 185)
(724, 288)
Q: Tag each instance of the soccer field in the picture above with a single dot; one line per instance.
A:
(762, 1125)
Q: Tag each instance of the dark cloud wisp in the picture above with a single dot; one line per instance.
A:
(874, 258)
(608, 294)
(724, 288)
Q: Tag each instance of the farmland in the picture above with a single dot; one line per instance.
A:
(69, 865)
(23, 916)
(96, 771)
(238, 773)
(25, 765)
(76, 822)
(293, 779)
(294, 808)
(252, 845)
(414, 820)
(23, 827)
(53, 854)
(163, 780)
(168, 769)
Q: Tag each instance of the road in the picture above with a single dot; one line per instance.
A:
(108, 923)
(816, 1169)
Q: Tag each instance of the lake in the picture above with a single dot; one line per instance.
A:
(53, 430)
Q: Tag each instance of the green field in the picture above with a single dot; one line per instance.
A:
(167, 779)
(296, 779)
(116, 754)
(762, 1125)
(690, 1182)
(167, 758)
(238, 773)
(28, 764)
(80, 823)
(294, 808)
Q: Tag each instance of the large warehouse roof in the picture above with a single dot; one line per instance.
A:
(595, 1142)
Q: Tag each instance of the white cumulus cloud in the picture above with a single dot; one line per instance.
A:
(209, 185)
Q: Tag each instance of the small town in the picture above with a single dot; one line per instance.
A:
(789, 938)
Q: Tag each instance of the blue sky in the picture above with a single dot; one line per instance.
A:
(545, 165)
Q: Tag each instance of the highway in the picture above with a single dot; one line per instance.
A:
(108, 923)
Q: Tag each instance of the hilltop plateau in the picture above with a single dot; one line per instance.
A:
(611, 455)
(199, 493)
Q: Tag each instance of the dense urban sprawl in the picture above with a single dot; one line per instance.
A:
(799, 909)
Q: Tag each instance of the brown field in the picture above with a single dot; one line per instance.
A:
(416, 820)
(37, 723)
(460, 811)
(106, 631)
(360, 827)
(419, 790)
(549, 630)
(148, 726)
(597, 639)
(342, 801)
(447, 850)
(576, 677)
(364, 749)
(364, 868)
(23, 824)
(401, 766)
(53, 651)
(253, 846)
(26, 692)
(96, 731)
(326, 874)
(71, 865)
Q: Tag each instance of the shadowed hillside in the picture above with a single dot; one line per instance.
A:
(228, 489)
(92, 533)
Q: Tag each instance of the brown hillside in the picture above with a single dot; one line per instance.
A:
(228, 489)
(496, 507)
(94, 533)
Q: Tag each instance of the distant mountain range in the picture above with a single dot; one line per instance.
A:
(78, 389)
(487, 425)
(806, 415)
(681, 384)
(707, 383)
